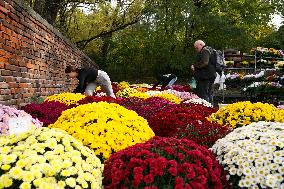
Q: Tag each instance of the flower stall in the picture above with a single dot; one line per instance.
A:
(144, 138)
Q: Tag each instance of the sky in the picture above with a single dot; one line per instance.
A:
(277, 19)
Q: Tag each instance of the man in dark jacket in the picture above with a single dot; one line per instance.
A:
(204, 71)
(89, 79)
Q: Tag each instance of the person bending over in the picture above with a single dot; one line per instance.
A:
(89, 79)
(167, 80)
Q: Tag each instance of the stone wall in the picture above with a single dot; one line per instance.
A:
(33, 56)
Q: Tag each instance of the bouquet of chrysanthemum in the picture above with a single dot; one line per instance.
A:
(130, 102)
(122, 85)
(104, 127)
(66, 98)
(182, 95)
(141, 89)
(164, 163)
(153, 93)
(142, 86)
(200, 109)
(126, 92)
(198, 101)
(139, 95)
(171, 97)
(189, 124)
(253, 155)
(149, 107)
(280, 107)
(47, 112)
(243, 113)
(47, 158)
(13, 121)
(91, 99)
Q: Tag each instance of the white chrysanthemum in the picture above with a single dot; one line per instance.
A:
(199, 101)
(153, 93)
(258, 159)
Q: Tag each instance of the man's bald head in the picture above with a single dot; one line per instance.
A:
(198, 45)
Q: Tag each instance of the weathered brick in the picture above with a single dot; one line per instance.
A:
(10, 67)
(13, 85)
(3, 10)
(6, 73)
(4, 85)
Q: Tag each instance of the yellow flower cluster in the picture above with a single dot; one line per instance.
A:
(105, 127)
(126, 92)
(139, 95)
(171, 97)
(123, 85)
(66, 98)
(243, 113)
(142, 89)
(47, 158)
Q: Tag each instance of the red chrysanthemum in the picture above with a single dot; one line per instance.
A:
(149, 165)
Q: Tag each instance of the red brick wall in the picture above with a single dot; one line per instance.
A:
(33, 56)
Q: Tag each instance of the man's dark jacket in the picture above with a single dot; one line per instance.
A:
(204, 68)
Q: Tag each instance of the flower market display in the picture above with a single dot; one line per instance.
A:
(186, 123)
(47, 112)
(47, 158)
(13, 121)
(164, 163)
(104, 127)
(66, 98)
(253, 155)
(243, 113)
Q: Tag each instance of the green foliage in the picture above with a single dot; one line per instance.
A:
(139, 38)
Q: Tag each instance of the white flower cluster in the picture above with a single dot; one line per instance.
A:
(257, 84)
(250, 76)
(254, 155)
(141, 85)
(47, 158)
(199, 101)
(153, 93)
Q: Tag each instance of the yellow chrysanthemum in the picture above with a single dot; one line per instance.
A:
(243, 113)
(141, 89)
(123, 85)
(66, 98)
(126, 92)
(140, 95)
(105, 127)
(30, 167)
(171, 97)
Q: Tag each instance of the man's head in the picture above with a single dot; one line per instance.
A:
(71, 71)
(198, 45)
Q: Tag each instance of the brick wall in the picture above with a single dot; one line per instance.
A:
(33, 56)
